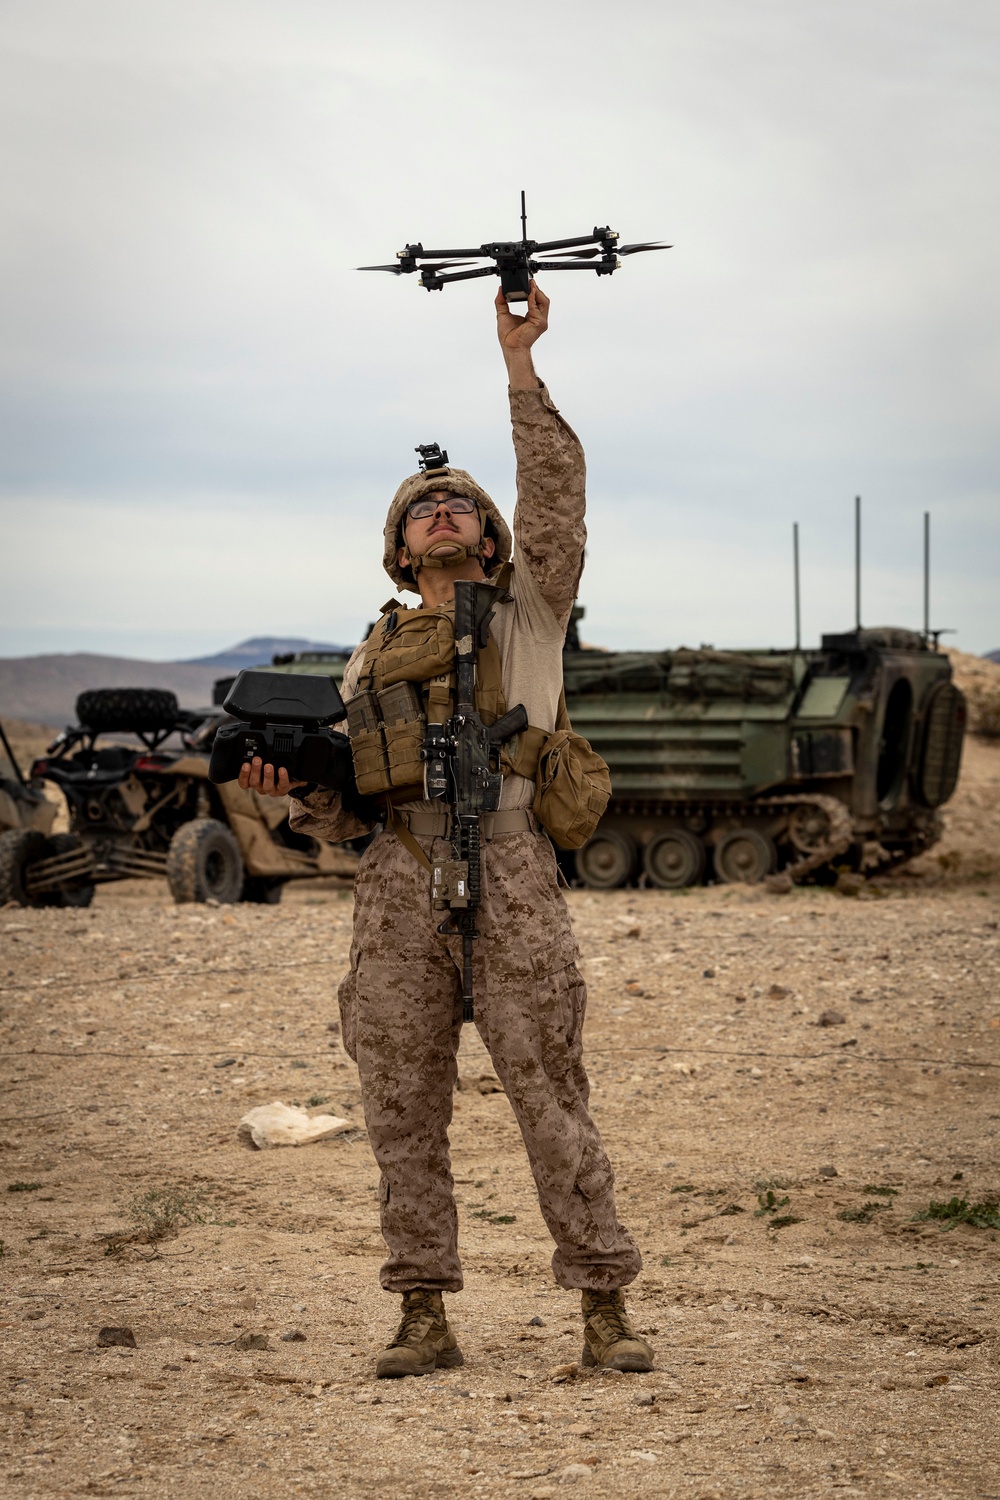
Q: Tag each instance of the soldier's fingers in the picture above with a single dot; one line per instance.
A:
(244, 776)
(267, 781)
(282, 787)
(541, 301)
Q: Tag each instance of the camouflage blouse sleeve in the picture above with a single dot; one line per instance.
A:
(321, 814)
(551, 498)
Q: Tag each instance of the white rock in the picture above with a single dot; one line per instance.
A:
(281, 1124)
(573, 1472)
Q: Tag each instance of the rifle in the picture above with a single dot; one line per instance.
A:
(462, 767)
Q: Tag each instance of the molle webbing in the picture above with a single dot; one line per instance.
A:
(411, 649)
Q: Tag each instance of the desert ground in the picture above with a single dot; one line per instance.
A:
(786, 1084)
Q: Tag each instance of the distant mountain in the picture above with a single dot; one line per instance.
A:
(44, 689)
(258, 652)
(992, 655)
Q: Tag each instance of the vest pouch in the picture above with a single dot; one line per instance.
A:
(572, 788)
(404, 727)
(371, 765)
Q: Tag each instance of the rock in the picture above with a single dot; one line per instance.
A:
(489, 1083)
(574, 1472)
(634, 988)
(293, 1336)
(708, 973)
(778, 885)
(579, 1429)
(116, 1338)
(247, 1341)
(778, 992)
(831, 1018)
(644, 1455)
(850, 885)
(634, 932)
(535, 1323)
(644, 1400)
(559, 1373)
(828, 1171)
(279, 1124)
(227, 1062)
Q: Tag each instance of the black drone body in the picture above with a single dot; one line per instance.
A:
(516, 261)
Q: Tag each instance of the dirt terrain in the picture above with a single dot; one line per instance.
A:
(785, 1084)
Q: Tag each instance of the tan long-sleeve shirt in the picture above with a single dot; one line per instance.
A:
(549, 537)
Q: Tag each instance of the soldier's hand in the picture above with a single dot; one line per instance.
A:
(257, 777)
(517, 334)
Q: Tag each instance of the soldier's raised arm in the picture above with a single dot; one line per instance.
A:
(551, 471)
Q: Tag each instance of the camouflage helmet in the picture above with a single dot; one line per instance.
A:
(455, 482)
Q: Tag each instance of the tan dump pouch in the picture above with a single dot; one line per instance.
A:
(572, 789)
(404, 727)
(371, 765)
(572, 782)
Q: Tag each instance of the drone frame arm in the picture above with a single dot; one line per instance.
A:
(597, 237)
(605, 262)
(439, 280)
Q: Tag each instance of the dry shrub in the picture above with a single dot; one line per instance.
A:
(979, 680)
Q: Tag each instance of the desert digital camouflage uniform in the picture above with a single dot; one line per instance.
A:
(401, 1001)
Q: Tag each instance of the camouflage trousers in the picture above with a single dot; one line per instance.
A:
(401, 1012)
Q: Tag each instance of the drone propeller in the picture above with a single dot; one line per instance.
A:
(570, 255)
(399, 270)
(636, 249)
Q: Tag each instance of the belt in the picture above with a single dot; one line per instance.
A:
(437, 825)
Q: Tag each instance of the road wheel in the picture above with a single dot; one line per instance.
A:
(674, 859)
(608, 860)
(261, 890)
(204, 863)
(743, 855)
(75, 895)
(19, 848)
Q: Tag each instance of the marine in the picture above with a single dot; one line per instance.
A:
(400, 1002)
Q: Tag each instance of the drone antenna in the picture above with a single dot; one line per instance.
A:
(524, 221)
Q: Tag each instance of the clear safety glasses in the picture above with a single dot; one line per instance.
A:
(459, 505)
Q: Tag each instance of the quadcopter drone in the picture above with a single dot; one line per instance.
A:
(516, 261)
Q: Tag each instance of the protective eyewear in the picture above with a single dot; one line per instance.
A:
(459, 505)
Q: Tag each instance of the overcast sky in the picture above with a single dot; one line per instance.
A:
(204, 409)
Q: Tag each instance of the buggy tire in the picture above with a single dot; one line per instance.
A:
(19, 848)
(74, 895)
(204, 863)
(262, 891)
(117, 710)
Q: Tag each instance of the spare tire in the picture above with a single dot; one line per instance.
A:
(115, 710)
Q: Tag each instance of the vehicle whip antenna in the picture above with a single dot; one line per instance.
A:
(857, 562)
(927, 575)
(524, 222)
(798, 597)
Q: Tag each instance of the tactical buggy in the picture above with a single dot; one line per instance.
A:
(134, 772)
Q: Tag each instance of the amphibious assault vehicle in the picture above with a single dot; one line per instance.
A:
(738, 765)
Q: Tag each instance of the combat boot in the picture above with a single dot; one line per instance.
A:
(423, 1340)
(609, 1338)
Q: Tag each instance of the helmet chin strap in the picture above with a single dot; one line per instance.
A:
(450, 554)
